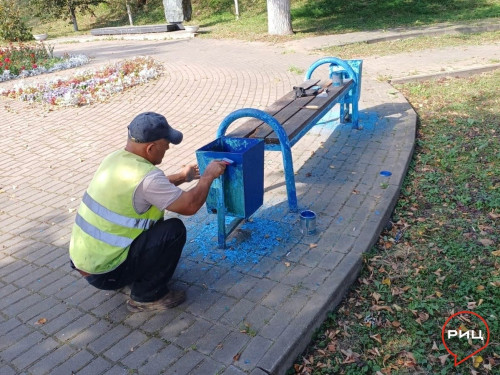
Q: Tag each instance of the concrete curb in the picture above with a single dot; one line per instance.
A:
(455, 73)
(333, 290)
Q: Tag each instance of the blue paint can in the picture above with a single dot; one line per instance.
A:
(307, 222)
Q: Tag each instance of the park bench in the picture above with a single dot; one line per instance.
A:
(284, 123)
(281, 125)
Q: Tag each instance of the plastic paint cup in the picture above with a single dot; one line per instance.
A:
(385, 173)
(307, 222)
(337, 79)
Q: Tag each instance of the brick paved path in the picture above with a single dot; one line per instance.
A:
(250, 308)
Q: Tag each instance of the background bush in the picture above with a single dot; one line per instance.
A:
(12, 26)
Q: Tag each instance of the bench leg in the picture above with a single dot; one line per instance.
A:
(355, 115)
(289, 177)
(344, 112)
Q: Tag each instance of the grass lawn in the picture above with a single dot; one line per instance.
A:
(309, 17)
(441, 255)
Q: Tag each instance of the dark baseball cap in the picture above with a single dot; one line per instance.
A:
(150, 126)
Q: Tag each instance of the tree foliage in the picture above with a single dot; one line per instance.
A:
(12, 26)
(47, 9)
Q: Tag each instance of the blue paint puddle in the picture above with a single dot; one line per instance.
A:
(246, 245)
(368, 120)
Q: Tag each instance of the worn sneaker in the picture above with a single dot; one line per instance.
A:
(171, 299)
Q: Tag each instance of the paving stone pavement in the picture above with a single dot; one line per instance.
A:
(251, 309)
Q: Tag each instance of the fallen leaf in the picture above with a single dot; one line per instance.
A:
(396, 324)
(376, 296)
(386, 281)
(496, 253)
(438, 294)
(374, 352)
(377, 338)
(477, 361)
(331, 348)
(486, 242)
(397, 291)
(287, 264)
(397, 307)
(41, 321)
(434, 346)
(313, 245)
(493, 215)
(471, 305)
(378, 308)
(410, 359)
(423, 316)
(237, 357)
(351, 357)
(386, 357)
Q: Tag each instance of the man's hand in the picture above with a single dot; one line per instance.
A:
(191, 201)
(191, 172)
(214, 169)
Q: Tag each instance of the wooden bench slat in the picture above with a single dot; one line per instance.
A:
(248, 128)
(282, 116)
(294, 125)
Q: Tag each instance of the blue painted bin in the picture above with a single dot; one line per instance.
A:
(243, 180)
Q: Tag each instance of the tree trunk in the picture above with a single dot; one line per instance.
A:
(187, 9)
(73, 18)
(279, 20)
(236, 9)
(129, 12)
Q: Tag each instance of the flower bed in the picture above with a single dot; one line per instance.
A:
(25, 60)
(89, 86)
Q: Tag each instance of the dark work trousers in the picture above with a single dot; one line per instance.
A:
(150, 264)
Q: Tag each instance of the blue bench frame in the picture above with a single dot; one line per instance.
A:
(338, 69)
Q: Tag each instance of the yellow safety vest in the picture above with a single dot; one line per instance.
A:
(106, 222)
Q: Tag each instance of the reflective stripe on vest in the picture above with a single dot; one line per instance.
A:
(113, 217)
(110, 239)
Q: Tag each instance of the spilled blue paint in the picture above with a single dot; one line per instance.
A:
(368, 120)
(250, 242)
